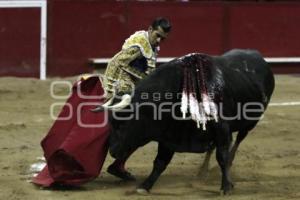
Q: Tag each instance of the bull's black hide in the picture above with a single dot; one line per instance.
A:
(236, 78)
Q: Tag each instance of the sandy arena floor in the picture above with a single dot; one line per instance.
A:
(267, 165)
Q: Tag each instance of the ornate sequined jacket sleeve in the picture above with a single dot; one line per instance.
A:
(126, 56)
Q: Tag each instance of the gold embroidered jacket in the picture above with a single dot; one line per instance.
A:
(133, 63)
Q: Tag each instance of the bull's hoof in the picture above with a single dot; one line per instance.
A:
(142, 191)
(226, 190)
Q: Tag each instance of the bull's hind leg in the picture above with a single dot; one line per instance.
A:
(239, 138)
(161, 162)
(203, 171)
(223, 140)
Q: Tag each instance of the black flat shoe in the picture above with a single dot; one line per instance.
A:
(124, 175)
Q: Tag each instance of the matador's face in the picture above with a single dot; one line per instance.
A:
(156, 36)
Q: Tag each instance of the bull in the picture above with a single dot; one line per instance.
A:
(234, 90)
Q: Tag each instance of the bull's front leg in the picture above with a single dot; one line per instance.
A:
(223, 141)
(161, 162)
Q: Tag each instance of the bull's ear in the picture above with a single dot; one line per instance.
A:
(125, 101)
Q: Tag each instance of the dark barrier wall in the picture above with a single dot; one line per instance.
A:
(272, 28)
(82, 29)
(19, 42)
(79, 30)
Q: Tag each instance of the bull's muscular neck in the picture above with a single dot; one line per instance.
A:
(169, 77)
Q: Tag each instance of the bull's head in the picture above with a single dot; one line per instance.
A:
(127, 127)
(119, 147)
(125, 135)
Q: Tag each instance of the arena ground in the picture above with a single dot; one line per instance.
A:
(267, 165)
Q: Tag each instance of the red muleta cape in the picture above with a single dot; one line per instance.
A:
(76, 145)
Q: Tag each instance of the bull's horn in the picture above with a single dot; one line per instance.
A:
(126, 100)
(101, 107)
(109, 102)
